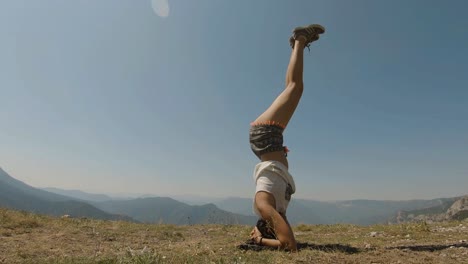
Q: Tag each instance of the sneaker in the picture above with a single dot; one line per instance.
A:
(310, 32)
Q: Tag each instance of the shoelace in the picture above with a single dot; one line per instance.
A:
(311, 31)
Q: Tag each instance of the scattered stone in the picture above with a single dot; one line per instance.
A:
(368, 246)
(408, 235)
(373, 234)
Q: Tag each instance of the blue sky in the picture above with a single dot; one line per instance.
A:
(107, 96)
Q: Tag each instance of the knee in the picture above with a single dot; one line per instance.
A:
(295, 88)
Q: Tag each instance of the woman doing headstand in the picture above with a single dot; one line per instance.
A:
(274, 184)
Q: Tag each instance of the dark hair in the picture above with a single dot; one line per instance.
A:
(266, 229)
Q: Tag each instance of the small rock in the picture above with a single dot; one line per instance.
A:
(462, 241)
(407, 235)
(452, 246)
(373, 234)
(367, 246)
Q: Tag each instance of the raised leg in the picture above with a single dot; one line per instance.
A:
(282, 109)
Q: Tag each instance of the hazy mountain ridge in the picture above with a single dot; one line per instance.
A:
(161, 209)
(15, 194)
(458, 210)
(20, 187)
(361, 212)
(455, 208)
(77, 194)
(18, 195)
(169, 211)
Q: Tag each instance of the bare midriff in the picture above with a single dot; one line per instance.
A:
(277, 156)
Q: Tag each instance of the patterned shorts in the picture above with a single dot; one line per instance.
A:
(265, 138)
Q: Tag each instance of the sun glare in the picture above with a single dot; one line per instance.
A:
(160, 7)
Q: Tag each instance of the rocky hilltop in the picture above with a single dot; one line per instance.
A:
(456, 209)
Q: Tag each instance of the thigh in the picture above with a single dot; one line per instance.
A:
(282, 109)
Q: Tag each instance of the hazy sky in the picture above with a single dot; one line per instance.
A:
(156, 97)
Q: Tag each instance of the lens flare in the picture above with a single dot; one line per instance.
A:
(160, 7)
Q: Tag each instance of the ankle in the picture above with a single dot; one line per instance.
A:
(300, 42)
(301, 38)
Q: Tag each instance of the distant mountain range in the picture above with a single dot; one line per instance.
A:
(77, 194)
(15, 194)
(18, 195)
(168, 210)
(448, 209)
(361, 212)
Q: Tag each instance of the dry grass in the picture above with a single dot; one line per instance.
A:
(29, 238)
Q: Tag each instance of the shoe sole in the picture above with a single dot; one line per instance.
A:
(318, 28)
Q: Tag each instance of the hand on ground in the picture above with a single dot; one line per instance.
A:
(255, 233)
